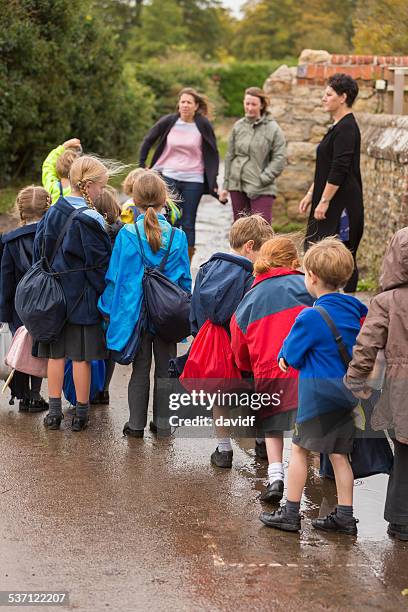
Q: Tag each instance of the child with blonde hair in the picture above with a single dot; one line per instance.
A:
(261, 322)
(324, 422)
(144, 242)
(56, 167)
(81, 258)
(31, 205)
(130, 209)
(107, 204)
(220, 285)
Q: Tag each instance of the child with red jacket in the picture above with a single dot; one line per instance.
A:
(258, 328)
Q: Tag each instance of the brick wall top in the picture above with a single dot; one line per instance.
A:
(315, 67)
(374, 60)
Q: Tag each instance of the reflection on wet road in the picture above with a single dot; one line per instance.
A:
(126, 524)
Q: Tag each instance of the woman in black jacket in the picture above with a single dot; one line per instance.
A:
(186, 155)
(336, 196)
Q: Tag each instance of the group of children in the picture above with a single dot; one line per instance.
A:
(274, 315)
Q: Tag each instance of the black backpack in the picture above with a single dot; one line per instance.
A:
(40, 301)
(167, 304)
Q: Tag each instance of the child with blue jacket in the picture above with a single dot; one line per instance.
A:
(324, 421)
(31, 205)
(121, 301)
(220, 285)
(82, 259)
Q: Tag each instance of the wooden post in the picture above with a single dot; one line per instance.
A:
(399, 82)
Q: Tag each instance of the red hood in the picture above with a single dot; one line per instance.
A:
(275, 272)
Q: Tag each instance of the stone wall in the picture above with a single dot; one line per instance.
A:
(384, 169)
(296, 94)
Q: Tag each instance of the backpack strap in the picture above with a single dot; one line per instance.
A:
(163, 262)
(167, 253)
(344, 354)
(64, 230)
(61, 189)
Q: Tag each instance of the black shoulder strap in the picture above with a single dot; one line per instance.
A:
(64, 230)
(344, 354)
(61, 189)
(163, 262)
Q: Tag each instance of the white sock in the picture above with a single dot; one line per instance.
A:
(224, 444)
(275, 472)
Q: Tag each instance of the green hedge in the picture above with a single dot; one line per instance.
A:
(233, 79)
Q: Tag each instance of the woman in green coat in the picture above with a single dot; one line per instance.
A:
(255, 157)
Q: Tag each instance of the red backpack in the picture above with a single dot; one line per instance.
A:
(210, 364)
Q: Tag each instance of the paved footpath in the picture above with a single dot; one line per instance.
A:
(128, 525)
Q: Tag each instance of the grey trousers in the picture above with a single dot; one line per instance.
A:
(139, 383)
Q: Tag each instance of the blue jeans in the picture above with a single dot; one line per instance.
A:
(190, 196)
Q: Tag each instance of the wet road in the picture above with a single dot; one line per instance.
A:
(125, 524)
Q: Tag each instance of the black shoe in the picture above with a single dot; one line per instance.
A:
(399, 532)
(165, 433)
(222, 459)
(332, 523)
(260, 450)
(133, 433)
(53, 421)
(79, 423)
(280, 519)
(102, 398)
(24, 405)
(38, 405)
(273, 493)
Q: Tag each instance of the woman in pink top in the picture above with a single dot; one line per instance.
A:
(186, 155)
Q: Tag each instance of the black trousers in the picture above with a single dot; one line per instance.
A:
(396, 503)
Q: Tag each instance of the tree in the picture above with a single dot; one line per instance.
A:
(61, 75)
(381, 27)
(273, 29)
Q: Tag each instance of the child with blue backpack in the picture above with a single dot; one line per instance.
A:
(144, 242)
(324, 422)
(81, 258)
(31, 205)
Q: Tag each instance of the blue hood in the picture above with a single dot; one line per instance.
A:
(220, 286)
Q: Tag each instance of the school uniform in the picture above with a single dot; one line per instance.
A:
(82, 259)
(121, 302)
(262, 321)
(16, 259)
(221, 283)
(324, 420)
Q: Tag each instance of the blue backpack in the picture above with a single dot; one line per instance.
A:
(40, 301)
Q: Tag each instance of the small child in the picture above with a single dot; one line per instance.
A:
(386, 328)
(56, 167)
(31, 204)
(108, 206)
(220, 285)
(130, 211)
(82, 258)
(121, 302)
(324, 421)
(262, 321)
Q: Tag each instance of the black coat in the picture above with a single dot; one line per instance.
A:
(86, 244)
(338, 163)
(159, 132)
(15, 261)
